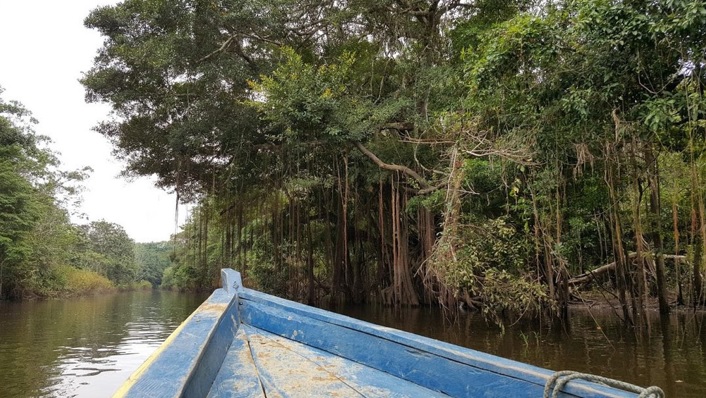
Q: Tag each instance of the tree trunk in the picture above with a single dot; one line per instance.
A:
(339, 259)
(639, 290)
(563, 274)
(618, 250)
(677, 266)
(426, 229)
(2, 281)
(603, 269)
(697, 227)
(311, 292)
(698, 265)
(540, 246)
(341, 272)
(402, 287)
(207, 266)
(242, 250)
(657, 243)
(698, 259)
(382, 265)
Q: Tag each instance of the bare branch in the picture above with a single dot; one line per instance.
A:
(431, 189)
(431, 141)
(218, 51)
(479, 145)
(426, 187)
(399, 126)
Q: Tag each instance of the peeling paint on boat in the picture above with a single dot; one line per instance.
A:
(244, 343)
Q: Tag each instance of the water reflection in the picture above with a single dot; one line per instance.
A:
(83, 347)
(87, 347)
(671, 356)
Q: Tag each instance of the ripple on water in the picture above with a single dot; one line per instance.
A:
(83, 347)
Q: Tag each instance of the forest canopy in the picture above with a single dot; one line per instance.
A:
(418, 151)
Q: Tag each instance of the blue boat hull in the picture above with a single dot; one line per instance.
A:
(244, 343)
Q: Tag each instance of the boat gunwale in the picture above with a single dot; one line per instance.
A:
(483, 361)
(187, 377)
(218, 319)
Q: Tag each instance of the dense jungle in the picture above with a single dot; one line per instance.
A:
(495, 155)
(511, 157)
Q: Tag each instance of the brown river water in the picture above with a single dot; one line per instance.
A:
(86, 347)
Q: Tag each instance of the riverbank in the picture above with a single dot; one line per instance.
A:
(67, 281)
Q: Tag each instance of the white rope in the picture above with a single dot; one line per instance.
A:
(559, 379)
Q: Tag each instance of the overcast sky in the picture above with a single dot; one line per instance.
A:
(44, 48)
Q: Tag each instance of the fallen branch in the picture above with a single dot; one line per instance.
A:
(603, 269)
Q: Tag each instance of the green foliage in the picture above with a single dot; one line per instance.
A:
(489, 184)
(183, 277)
(487, 259)
(39, 247)
(195, 261)
(309, 102)
(26, 198)
(141, 285)
(80, 281)
(108, 250)
(151, 260)
(508, 296)
(179, 98)
(502, 147)
(489, 244)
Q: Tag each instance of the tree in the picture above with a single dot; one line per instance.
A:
(326, 113)
(20, 162)
(109, 251)
(429, 151)
(594, 84)
(152, 259)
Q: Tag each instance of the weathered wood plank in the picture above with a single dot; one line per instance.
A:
(238, 376)
(292, 369)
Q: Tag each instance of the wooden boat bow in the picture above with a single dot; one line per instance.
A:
(245, 343)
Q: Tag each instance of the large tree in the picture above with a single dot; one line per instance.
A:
(438, 151)
(344, 115)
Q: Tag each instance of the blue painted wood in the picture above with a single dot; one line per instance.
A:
(189, 360)
(243, 343)
(231, 280)
(443, 367)
(404, 361)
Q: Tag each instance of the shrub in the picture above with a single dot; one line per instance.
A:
(80, 281)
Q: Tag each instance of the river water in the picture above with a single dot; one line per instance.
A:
(86, 347)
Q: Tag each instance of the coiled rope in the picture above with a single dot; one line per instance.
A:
(559, 379)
